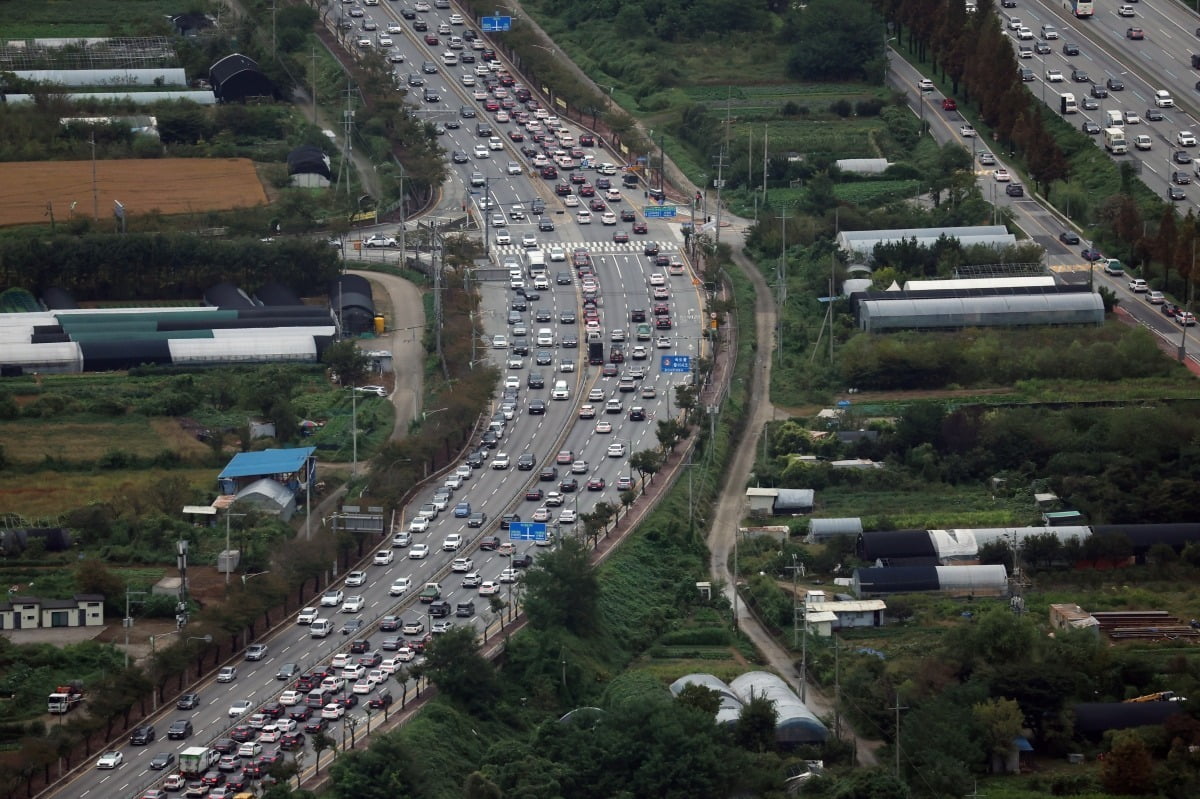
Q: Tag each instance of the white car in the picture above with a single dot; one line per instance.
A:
(1001, 176)
(418, 525)
(501, 461)
(542, 514)
(1054, 76)
(1142, 142)
(489, 587)
(456, 19)
(529, 241)
(1132, 118)
(502, 236)
(608, 218)
(364, 685)
(240, 707)
(494, 143)
(513, 168)
(566, 516)
(290, 697)
(571, 201)
(554, 499)
(418, 551)
(584, 217)
(227, 674)
(925, 85)
(270, 734)
(1015, 23)
(1024, 33)
(558, 254)
(355, 579)
(341, 660)
(394, 27)
(354, 604)
(1125, 11)
(509, 576)
(307, 615)
(1185, 139)
(401, 585)
(332, 711)
(616, 450)
(480, 151)
(657, 279)
(462, 565)
(604, 427)
(499, 342)
(464, 471)
(452, 542)
(384, 557)
(379, 240)
(110, 760)
(332, 598)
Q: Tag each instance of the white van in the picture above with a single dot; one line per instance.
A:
(1114, 119)
(560, 390)
(320, 628)
(1162, 99)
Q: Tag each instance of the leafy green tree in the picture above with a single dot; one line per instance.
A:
(347, 361)
(388, 769)
(755, 726)
(700, 697)
(873, 783)
(1128, 770)
(646, 462)
(1000, 721)
(478, 786)
(837, 40)
(454, 664)
(320, 742)
(563, 589)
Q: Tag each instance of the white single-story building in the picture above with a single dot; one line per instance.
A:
(31, 613)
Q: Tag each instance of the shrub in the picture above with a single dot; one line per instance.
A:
(841, 107)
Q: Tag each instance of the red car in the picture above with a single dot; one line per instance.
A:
(595, 484)
(587, 140)
(587, 190)
(578, 178)
(949, 105)
(639, 227)
(662, 309)
(516, 135)
(663, 323)
(1134, 33)
(621, 237)
(492, 105)
(430, 39)
(598, 205)
(549, 172)
(291, 740)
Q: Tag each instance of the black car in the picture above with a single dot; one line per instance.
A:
(1115, 84)
(1014, 190)
(143, 735)
(477, 519)
(466, 112)
(520, 346)
(548, 474)
(566, 318)
(534, 495)
(1175, 194)
(408, 13)
(225, 746)
(522, 561)
(545, 224)
(538, 206)
(1068, 237)
(315, 725)
(535, 380)
(1153, 115)
(489, 439)
(543, 315)
(1070, 49)
(1181, 157)
(1181, 178)
(1079, 76)
(568, 485)
(188, 702)
(1090, 128)
(291, 740)
(352, 626)
(381, 700)
(537, 407)
(161, 761)
(360, 646)
(570, 341)
(507, 519)
(475, 459)
(1041, 48)
(543, 358)
(180, 728)
(526, 462)
(459, 157)
(300, 713)
(1099, 91)
(637, 414)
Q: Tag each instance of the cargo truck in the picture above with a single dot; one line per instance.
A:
(595, 349)
(1067, 104)
(65, 698)
(1114, 141)
(196, 760)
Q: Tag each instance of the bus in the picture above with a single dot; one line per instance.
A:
(1080, 8)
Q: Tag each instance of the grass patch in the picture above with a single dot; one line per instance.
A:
(927, 506)
(46, 494)
(87, 440)
(72, 20)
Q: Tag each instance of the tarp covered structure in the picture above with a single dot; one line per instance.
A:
(237, 77)
(794, 723)
(730, 707)
(1093, 719)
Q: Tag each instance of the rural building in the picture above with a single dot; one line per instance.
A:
(794, 500)
(1073, 617)
(863, 166)
(353, 303)
(236, 77)
(820, 530)
(731, 706)
(761, 500)
(795, 724)
(826, 615)
(954, 580)
(860, 244)
(294, 469)
(308, 167)
(31, 613)
(944, 309)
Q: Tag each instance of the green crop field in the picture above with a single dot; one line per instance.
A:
(94, 18)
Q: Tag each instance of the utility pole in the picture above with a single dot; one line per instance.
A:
(95, 189)
(403, 220)
(344, 169)
(721, 166)
(781, 285)
(487, 193)
(897, 708)
(314, 85)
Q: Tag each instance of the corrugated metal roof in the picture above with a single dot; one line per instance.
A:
(843, 526)
(268, 461)
(904, 312)
(794, 499)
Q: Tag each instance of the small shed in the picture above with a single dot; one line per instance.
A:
(236, 77)
(761, 500)
(309, 167)
(353, 303)
(1072, 617)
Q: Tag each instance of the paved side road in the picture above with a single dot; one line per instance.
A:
(404, 342)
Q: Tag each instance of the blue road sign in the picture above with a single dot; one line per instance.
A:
(676, 364)
(527, 531)
(659, 211)
(496, 24)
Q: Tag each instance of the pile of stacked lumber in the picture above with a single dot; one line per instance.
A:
(1145, 624)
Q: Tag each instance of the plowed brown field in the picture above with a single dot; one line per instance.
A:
(166, 185)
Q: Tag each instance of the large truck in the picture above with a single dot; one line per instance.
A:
(1114, 141)
(196, 760)
(1067, 104)
(595, 344)
(65, 698)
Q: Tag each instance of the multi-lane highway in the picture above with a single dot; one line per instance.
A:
(627, 283)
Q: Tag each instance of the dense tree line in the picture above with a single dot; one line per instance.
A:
(159, 266)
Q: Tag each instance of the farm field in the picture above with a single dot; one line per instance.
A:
(47, 494)
(166, 185)
(67, 19)
(86, 441)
